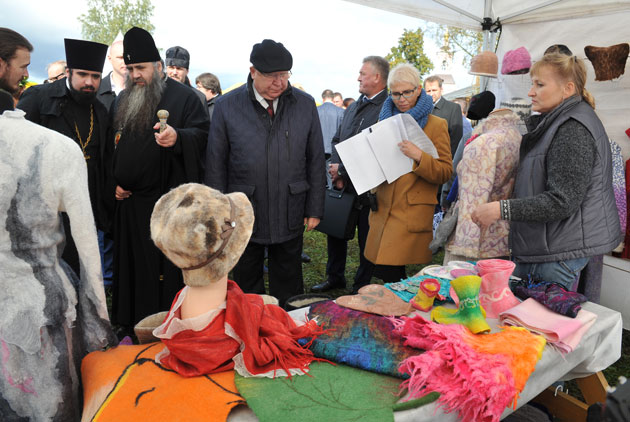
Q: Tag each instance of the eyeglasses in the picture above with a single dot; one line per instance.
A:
(279, 76)
(407, 94)
(56, 78)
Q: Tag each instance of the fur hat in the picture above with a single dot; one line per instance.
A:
(485, 63)
(516, 62)
(481, 105)
(177, 56)
(270, 56)
(139, 47)
(608, 62)
(194, 226)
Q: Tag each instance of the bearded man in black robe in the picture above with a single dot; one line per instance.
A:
(147, 162)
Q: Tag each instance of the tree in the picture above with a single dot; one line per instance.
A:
(452, 39)
(106, 18)
(411, 49)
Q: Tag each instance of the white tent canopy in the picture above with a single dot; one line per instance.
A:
(470, 13)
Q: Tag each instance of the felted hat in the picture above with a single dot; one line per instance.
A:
(485, 63)
(139, 47)
(177, 56)
(481, 105)
(516, 62)
(270, 56)
(522, 107)
(608, 62)
(197, 226)
(85, 55)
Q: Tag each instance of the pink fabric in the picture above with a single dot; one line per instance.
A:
(486, 173)
(495, 295)
(515, 60)
(562, 332)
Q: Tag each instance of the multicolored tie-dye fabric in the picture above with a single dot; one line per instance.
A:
(408, 288)
(551, 295)
(362, 340)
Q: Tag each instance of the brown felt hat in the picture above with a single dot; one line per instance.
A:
(608, 62)
(485, 63)
(196, 226)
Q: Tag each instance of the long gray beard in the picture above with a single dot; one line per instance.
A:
(136, 110)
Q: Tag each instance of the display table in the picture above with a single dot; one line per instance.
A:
(600, 347)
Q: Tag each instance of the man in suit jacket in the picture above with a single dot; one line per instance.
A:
(330, 117)
(445, 109)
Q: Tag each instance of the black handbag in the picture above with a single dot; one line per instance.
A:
(341, 213)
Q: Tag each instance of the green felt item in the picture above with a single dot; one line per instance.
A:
(419, 402)
(331, 393)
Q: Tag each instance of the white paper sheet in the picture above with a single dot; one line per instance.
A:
(384, 138)
(360, 163)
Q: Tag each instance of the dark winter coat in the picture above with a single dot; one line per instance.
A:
(278, 163)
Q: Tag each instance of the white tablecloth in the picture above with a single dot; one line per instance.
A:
(600, 347)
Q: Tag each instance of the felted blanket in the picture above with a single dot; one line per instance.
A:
(561, 332)
(359, 339)
(477, 376)
(127, 384)
(329, 393)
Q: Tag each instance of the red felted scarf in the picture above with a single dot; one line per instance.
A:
(266, 336)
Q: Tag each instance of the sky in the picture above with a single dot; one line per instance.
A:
(327, 38)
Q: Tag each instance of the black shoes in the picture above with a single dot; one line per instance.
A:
(305, 258)
(326, 286)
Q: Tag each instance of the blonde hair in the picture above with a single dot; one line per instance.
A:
(568, 69)
(404, 72)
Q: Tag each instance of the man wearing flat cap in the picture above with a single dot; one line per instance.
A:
(266, 141)
(69, 106)
(148, 161)
(177, 63)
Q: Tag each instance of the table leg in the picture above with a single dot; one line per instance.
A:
(569, 409)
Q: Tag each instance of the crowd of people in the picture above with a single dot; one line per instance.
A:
(133, 135)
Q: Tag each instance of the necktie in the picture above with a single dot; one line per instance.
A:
(270, 108)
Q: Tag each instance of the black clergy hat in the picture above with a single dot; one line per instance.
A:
(270, 56)
(85, 55)
(139, 47)
(481, 105)
(177, 56)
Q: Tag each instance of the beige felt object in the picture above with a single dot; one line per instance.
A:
(376, 299)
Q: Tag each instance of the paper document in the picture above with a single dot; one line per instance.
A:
(360, 163)
(373, 156)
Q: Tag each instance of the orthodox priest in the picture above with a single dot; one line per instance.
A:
(69, 106)
(149, 159)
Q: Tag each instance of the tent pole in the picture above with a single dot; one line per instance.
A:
(458, 10)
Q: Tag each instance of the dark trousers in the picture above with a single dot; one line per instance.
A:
(390, 273)
(338, 252)
(284, 264)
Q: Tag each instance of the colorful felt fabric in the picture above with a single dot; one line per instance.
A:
(126, 384)
(375, 299)
(562, 333)
(406, 289)
(358, 339)
(253, 338)
(330, 393)
(477, 376)
(469, 312)
(551, 295)
(423, 300)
